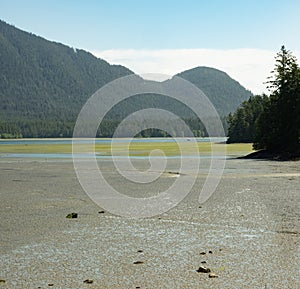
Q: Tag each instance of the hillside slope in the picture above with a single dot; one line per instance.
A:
(44, 84)
(43, 79)
(224, 92)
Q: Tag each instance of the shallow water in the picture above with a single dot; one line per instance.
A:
(106, 140)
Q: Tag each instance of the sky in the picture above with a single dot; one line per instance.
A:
(240, 37)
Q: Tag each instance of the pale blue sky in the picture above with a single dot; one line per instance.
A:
(159, 24)
(240, 37)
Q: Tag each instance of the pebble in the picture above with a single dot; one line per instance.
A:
(2, 281)
(213, 275)
(140, 251)
(202, 253)
(138, 262)
(210, 252)
(88, 281)
(101, 212)
(72, 216)
(203, 262)
(203, 270)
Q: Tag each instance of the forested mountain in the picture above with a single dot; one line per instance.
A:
(44, 84)
(224, 92)
(41, 79)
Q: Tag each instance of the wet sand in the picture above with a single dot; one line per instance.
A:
(251, 225)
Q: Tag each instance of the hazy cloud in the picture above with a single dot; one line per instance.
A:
(250, 67)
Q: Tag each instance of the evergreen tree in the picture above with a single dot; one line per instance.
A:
(278, 127)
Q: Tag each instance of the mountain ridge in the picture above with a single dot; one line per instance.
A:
(44, 84)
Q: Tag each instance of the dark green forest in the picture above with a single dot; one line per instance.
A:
(272, 123)
(44, 84)
(242, 124)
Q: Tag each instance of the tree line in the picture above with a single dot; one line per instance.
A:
(272, 123)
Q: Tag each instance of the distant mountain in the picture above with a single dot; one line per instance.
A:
(224, 92)
(41, 79)
(44, 84)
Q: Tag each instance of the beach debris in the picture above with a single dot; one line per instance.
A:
(213, 275)
(88, 281)
(203, 270)
(210, 252)
(138, 262)
(202, 253)
(101, 212)
(2, 281)
(72, 216)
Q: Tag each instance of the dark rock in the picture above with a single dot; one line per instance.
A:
(140, 251)
(203, 270)
(88, 281)
(2, 281)
(202, 253)
(203, 262)
(138, 262)
(101, 212)
(210, 252)
(213, 275)
(72, 216)
(50, 285)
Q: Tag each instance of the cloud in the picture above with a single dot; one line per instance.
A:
(250, 67)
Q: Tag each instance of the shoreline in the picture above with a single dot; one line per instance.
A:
(273, 155)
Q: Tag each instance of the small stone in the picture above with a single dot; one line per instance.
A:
(50, 284)
(210, 252)
(2, 281)
(140, 251)
(203, 262)
(101, 212)
(138, 262)
(203, 270)
(213, 275)
(200, 207)
(202, 253)
(88, 281)
(72, 216)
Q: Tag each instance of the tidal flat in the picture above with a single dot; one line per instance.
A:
(247, 233)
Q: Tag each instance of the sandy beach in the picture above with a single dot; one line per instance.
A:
(247, 233)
